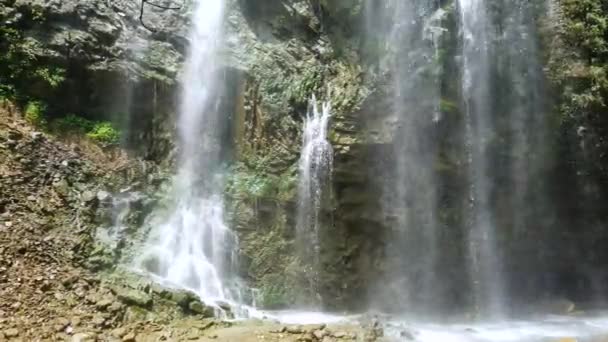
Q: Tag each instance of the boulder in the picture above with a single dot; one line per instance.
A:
(134, 297)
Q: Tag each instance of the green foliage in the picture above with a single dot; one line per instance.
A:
(20, 66)
(580, 69)
(105, 133)
(99, 131)
(34, 113)
(72, 124)
(585, 29)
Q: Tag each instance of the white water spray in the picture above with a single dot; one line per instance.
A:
(315, 169)
(484, 264)
(193, 248)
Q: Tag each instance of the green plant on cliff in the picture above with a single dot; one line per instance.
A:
(580, 70)
(104, 132)
(99, 131)
(21, 69)
(72, 123)
(34, 113)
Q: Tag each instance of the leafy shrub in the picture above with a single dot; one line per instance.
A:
(104, 132)
(73, 124)
(34, 113)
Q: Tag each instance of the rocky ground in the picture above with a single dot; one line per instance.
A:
(51, 288)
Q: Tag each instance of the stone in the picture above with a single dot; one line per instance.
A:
(88, 196)
(11, 333)
(407, 335)
(134, 297)
(296, 329)
(307, 337)
(15, 135)
(200, 308)
(104, 303)
(36, 136)
(62, 187)
(98, 320)
(319, 334)
(339, 334)
(130, 337)
(62, 323)
(84, 337)
(119, 332)
(103, 196)
(115, 307)
(182, 297)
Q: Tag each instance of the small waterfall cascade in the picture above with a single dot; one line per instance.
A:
(315, 168)
(484, 260)
(190, 246)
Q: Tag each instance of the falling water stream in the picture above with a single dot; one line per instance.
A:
(484, 256)
(191, 247)
(315, 167)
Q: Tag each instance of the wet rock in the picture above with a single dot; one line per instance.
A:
(88, 196)
(319, 334)
(103, 196)
(200, 308)
(407, 335)
(559, 306)
(181, 297)
(295, 329)
(134, 297)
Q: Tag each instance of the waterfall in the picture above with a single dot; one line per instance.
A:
(191, 247)
(315, 168)
(506, 145)
(415, 104)
(484, 261)
(410, 184)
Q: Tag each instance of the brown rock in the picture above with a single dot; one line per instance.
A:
(319, 334)
(130, 337)
(10, 333)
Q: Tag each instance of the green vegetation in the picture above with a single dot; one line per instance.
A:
(21, 69)
(104, 133)
(580, 71)
(34, 113)
(99, 131)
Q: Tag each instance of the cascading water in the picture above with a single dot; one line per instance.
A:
(484, 260)
(193, 248)
(410, 187)
(315, 168)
